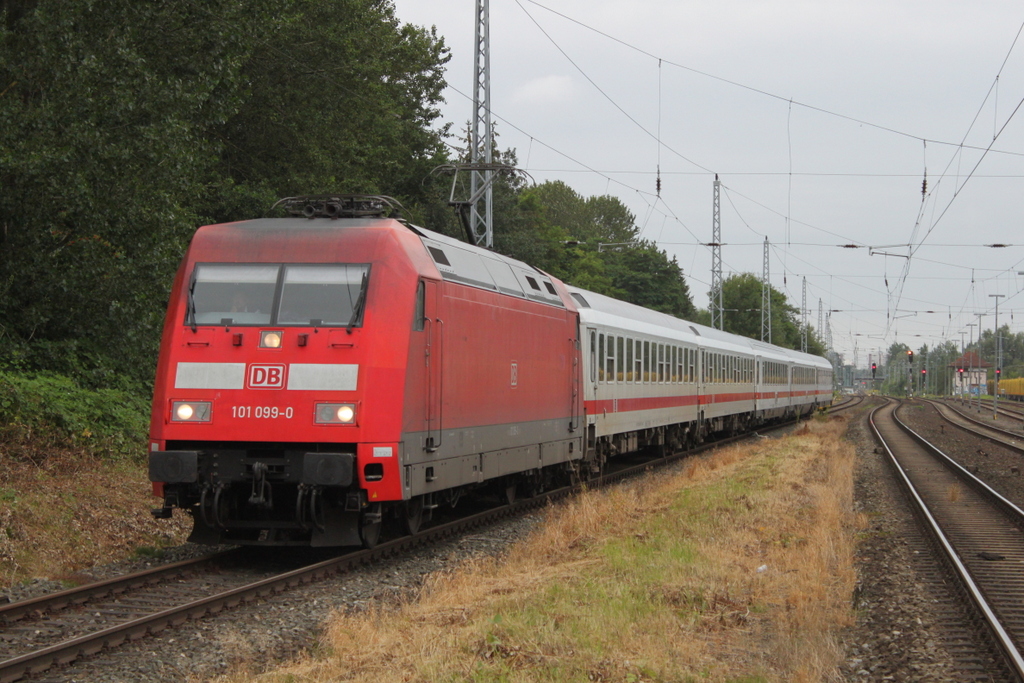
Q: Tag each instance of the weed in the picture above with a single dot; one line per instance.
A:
(953, 492)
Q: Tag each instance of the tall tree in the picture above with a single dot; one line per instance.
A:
(340, 99)
(102, 108)
(124, 125)
(742, 297)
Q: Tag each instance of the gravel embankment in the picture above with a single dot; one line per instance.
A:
(268, 631)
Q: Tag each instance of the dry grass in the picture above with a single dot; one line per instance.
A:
(738, 569)
(74, 511)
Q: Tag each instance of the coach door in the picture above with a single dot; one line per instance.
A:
(434, 327)
(574, 383)
(701, 388)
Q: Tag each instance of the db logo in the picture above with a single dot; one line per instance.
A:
(266, 377)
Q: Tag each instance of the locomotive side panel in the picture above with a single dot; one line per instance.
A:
(501, 400)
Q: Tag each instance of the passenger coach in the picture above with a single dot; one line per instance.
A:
(654, 380)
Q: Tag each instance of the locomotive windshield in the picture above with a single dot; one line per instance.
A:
(274, 294)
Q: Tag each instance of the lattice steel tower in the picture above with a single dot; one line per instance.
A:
(716, 260)
(803, 319)
(480, 143)
(766, 301)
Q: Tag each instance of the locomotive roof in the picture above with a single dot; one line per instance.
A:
(478, 267)
(601, 309)
(456, 261)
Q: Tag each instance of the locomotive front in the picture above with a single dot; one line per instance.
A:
(277, 407)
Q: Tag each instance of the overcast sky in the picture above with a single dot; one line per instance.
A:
(821, 119)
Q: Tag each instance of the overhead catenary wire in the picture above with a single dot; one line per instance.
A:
(760, 91)
(654, 204)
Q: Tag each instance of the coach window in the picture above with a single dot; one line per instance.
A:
(610, 365)
(629, 360)
(593, 356)
(638, 363)
(620, 355)
(646, 361)
(600, 358)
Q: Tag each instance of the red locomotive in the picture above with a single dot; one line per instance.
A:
(322, 372)
(316, 373)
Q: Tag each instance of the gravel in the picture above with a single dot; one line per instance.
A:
(263, 633)
(900, 602)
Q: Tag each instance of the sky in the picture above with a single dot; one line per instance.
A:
(822, 120)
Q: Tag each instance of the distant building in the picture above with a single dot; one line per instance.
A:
(973, 380)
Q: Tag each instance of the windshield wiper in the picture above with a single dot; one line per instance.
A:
(358, 308)
(190, 308)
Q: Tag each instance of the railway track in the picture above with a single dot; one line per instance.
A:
(1009, 409)
(846, 404)
(979, 535)
(58, 629)
(1011, 437)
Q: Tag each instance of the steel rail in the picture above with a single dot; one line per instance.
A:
(77, 595)
(981, 423)
(1013, 655)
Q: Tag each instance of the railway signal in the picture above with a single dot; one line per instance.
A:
(874, 367)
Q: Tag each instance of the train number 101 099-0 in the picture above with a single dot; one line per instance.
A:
(261, 412)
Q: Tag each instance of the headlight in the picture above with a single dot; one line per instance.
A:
(271, 339)
(336, 413)
(191, 411)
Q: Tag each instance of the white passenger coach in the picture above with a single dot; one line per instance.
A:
(653, 380)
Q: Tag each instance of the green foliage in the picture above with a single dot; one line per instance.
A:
(54, 409)
(741, 298)
(124, 125)
(340, 98)
(1013, 351)
(593, 243)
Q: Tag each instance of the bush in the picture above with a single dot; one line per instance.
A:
(38, 412)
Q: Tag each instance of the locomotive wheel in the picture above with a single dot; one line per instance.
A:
(510, 492)
(413, 509)
(370, 531)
